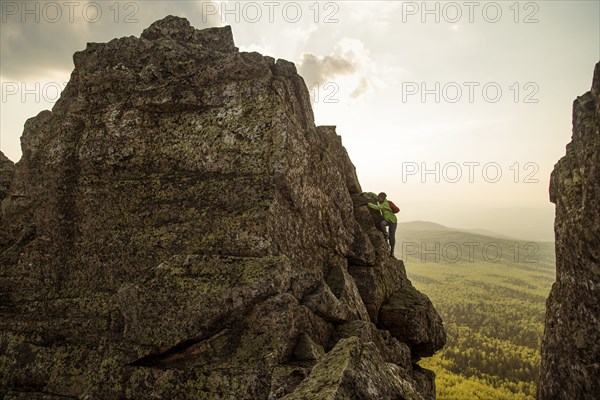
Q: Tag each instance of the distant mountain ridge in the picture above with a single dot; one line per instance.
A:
(418, 226)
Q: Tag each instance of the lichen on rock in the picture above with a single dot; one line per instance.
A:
(178, 227)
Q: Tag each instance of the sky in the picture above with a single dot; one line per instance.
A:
(457, 110)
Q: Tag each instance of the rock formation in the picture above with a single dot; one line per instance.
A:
(6, 173)
(570, 366)
(179, 228)
(7, 169)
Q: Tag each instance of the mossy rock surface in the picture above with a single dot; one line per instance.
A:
(179, 228)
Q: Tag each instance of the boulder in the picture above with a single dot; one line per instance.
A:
(355, 370)
(411, 318)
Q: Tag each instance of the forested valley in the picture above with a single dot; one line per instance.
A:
(491, 292)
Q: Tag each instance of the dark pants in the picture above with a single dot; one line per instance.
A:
(392, 237)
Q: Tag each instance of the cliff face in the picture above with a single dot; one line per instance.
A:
(6, 173)
(179, 228)
(571, 348)
(7, 169)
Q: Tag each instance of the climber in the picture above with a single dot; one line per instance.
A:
(387, 210)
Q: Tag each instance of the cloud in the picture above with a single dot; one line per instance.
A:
(348, 65)
(360, 89)
(320, 69)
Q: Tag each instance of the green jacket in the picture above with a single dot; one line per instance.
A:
(385, 210)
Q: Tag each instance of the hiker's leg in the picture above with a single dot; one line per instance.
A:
(392, 237)
(383, 224)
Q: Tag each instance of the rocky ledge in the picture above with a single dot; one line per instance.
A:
(179, 228)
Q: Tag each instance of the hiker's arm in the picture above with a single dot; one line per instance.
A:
(375, 206)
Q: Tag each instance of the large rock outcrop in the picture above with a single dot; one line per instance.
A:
(7, 169)
(570, 366)
(179, 228)
(6, 173)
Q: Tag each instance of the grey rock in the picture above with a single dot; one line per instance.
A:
(7, 168)
(307, 350)
(570, 367)
(355, 370)
(411, 318)
(178, 227)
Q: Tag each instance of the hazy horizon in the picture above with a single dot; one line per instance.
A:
(458, 111)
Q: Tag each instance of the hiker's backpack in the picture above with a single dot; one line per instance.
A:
(394, 207)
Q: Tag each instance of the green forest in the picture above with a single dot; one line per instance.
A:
(491, 293)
